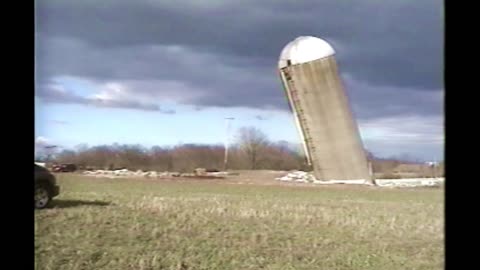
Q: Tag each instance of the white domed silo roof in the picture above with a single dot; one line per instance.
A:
(304, 49)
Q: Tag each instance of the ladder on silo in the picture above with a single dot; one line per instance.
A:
(293, 93)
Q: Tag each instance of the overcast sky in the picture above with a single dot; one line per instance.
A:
(168, 65)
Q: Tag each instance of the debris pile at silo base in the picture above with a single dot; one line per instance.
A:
(304, 177)
(297, 176)
(410, 182)
(124, 173)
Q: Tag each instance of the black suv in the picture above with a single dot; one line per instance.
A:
(45, 187)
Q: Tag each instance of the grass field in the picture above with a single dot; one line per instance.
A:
(156, 224)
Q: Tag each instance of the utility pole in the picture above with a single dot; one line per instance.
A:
(227, 142)
(433, 165)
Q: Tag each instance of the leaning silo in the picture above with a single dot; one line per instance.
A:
(328, 130)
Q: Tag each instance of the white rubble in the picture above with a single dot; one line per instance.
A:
(147, 174)
(298, 176)
(410, 182)
(304, 177)
(218, 173)
(347, 182)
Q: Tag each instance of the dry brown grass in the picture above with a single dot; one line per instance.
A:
(131, 224)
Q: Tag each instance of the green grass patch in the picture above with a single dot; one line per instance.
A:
(136, 224)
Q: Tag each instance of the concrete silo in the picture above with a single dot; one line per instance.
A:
(329, 132)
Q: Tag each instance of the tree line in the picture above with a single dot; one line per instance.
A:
(251, 150)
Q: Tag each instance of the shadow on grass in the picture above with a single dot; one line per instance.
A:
(75, 203)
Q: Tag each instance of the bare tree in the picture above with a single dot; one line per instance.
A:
(187, 157)
(50, 152)
(66, 156)
(161, 158)
(252, 151)
(253, 142)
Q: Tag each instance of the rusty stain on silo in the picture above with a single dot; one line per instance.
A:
(318, 100)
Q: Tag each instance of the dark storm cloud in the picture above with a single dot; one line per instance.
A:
(190, 77)
(225, 53)
(368, 101)
(56, 94)
(261, 118)
(123, 104)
